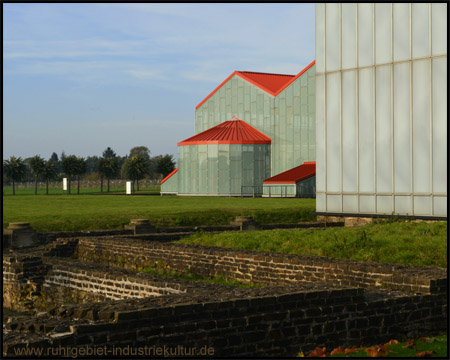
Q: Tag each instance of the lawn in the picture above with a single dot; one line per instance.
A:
(89, 212)
(399, 242)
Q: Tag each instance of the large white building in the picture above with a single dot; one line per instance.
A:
(381, 109)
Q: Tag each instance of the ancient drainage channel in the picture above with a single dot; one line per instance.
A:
(84, 295)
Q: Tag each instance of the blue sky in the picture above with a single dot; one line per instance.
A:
(81, 77)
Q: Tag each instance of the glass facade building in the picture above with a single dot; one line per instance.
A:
(222, 169)
(229, 159)
(287, 116)
(381, 108)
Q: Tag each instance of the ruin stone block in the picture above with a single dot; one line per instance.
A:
(20, 235)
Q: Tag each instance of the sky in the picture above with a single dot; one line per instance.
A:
(81, 77)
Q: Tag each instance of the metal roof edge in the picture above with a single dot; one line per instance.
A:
(168, 176)
(295, 77)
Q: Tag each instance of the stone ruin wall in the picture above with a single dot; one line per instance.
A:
(310, 301)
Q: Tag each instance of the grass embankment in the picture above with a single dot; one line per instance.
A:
(90, 212)
(400, 242)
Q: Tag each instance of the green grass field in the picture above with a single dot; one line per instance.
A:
(400, 242)
(89, 212)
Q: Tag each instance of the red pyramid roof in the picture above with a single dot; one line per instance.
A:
(294, 175)
(234, 131)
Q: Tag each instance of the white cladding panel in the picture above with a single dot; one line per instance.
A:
(332, 50)
(383, 32)
(381, 108)
(365, 34)
(439, 29)
(333, 132)
(348, 36)
(366, 120)
(439, 100)
(320, 134)
(383, 128)
(349, 127)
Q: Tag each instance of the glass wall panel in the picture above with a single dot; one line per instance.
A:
(334, 203)
(421, 125)
(383, 128)
(320, 134)
(439, 28)
(224, 156)
(367, 204)
(333, 132)
(439, 91)
(320, 202)
(403, 205)
(420, 29)
(384, 205)
(170, 185)
(332, 43)
(422, 205)
(440, 206)
(366, 130)
(224, 182)
(365, 34)
(349, 138)
(383, 38)
(348, 36)
(402, 168)
(203, 182)
(350, 203)
(401, 31)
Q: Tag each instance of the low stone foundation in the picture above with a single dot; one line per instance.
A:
(93, 298)
(261, 267)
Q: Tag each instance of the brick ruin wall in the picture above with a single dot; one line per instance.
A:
(260, 267)
(311, 301)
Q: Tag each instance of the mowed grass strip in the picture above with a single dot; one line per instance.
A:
(401, 242)
(90, 212)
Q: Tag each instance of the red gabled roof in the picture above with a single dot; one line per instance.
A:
(168, 176)
(270, 83)
(234, 131)
(294, 175)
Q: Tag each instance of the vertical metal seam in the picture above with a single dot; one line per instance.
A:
(340, 108)
(357, 108)
(325, 101)
(411, 115)
(374, 111)
(431, 107)
(392, 109)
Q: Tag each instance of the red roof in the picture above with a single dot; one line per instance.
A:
(270, 83)
(168, 176)
(294, 175)
(234, 131)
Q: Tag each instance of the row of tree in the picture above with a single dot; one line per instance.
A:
(136, 166)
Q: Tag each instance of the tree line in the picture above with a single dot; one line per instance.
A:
(138, 165)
